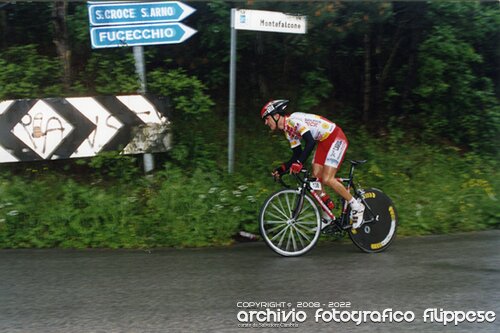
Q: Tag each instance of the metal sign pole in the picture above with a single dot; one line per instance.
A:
(255, 20)
(147, 158)
(140, 68)
(110, 21)
(232, 93)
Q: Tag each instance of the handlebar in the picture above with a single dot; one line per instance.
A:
(296, 175)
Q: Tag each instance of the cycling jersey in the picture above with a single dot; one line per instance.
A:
(332, 143)
(299, 123)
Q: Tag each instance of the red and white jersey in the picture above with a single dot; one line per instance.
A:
(299, 123)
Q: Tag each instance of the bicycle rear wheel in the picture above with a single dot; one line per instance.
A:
(282, 233)
(376, 236)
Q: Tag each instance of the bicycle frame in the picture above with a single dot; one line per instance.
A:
(343, 221)
(291, 222)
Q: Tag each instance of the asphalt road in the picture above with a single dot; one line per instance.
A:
(207, 290)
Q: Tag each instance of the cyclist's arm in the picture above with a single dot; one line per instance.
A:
(299, 154)
(297, 151)
(310, 142)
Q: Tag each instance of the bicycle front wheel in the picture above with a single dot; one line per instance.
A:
(377, 235)
(282, 233)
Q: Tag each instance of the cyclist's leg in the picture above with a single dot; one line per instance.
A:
(318, 164)
(357, 208)
(328, 178)
(329, 155)
(317, 170)
(334, 158)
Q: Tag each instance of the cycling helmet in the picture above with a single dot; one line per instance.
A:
(277, 106)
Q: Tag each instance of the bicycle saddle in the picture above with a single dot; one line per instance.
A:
(356, 162)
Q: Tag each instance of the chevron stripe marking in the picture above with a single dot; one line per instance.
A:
(106, 125)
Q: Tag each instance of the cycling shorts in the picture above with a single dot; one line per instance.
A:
(331, 151)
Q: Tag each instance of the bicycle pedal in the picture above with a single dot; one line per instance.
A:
(333, 231)
(328, 229)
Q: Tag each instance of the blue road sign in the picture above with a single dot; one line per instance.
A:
(139, 34)
(136, 13)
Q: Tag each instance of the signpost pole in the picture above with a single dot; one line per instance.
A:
(116, 24)
(255, 20)
(232, 93)
(140, 68)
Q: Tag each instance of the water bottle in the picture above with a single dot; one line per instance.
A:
(327, 201)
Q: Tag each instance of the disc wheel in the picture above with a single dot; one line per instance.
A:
(376, 236)
(282, 233)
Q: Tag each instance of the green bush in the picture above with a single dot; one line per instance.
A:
(170, 209)
(26, 74)
(187, 92)
(434, 189)
(111, 165)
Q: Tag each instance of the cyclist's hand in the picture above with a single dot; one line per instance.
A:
(296, 167)
(279, 171)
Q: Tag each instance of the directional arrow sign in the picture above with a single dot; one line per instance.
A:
(134, 13)
(142, 34)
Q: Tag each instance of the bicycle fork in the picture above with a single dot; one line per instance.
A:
(300, 203)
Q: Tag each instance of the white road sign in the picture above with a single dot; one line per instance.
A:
(261, 20)
(57, 128)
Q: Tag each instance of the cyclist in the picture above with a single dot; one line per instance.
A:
(332, 145)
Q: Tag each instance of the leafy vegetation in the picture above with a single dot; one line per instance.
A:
(40, 80)
(414, 85)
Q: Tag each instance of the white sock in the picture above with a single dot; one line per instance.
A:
(352, 202)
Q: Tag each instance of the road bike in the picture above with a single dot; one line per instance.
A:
(292, 220)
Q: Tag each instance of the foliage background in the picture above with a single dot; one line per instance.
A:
(414, 85)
